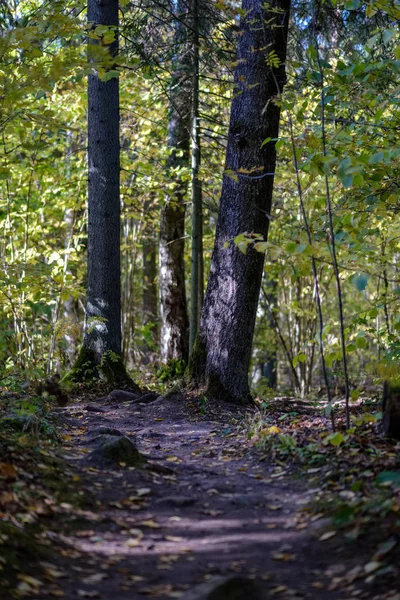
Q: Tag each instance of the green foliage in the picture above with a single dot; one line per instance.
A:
(43, 183)
(171, 371)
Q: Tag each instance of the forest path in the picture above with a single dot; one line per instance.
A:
(205, 508)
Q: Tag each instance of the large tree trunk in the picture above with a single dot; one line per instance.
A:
(174, 318)
(223, 349)
(103, 297)
(101, 348)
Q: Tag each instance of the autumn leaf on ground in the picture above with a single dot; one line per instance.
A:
(284, 556)
(150, 523)
(8, 470)
(327, 535)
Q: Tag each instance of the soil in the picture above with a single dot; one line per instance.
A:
(202, 507)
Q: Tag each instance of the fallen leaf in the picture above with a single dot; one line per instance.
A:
(95, 578)
(278, 590)
(284, 556)
(150, 523)
(31, 581)
(327, 535)
(133, 542)
(372, 566)
(136, 532)
(384, 549)
(8, 470)
(143, 491)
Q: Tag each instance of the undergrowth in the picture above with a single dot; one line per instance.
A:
(355, 472)
(34, 483)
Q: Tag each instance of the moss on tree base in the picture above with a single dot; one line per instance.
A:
(86, 369)
(196, 369)
(114, 371)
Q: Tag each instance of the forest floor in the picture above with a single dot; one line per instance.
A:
(206, 509)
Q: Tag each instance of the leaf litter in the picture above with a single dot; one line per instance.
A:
(128, 532)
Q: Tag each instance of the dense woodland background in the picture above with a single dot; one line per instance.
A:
(344, 150)
(199, 202)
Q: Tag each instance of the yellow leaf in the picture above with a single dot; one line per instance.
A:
(274, 429)
(173, 459)
(32, 581)
(150, 523)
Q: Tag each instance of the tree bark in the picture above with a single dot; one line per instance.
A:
(222, 352)
(269, 367)
(391, 410)
(197, 205)
(103, 298)
(150, 299)
(173, 307)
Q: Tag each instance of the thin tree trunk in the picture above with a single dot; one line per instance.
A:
(197, 212)
(223, 349)
(150, 298)
(173, 306)
(269, 367)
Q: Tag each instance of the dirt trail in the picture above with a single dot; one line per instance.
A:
(203, 508)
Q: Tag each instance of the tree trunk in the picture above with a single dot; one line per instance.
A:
(223, 348)
(269, 368)
(173, 308)
(150, 299)
(101, 348)
(391, 410)
(197, 208)
(103, 297)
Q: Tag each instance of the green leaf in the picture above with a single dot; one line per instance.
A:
(335, 439)
(376, 158)
(110, 75)
(352, 4)
(5, 173)
(266, 141)
(388, 477)
(361, 342)
(360, 281)
(291, 247)
(347, 181)
(261, 246)
(232, 175)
